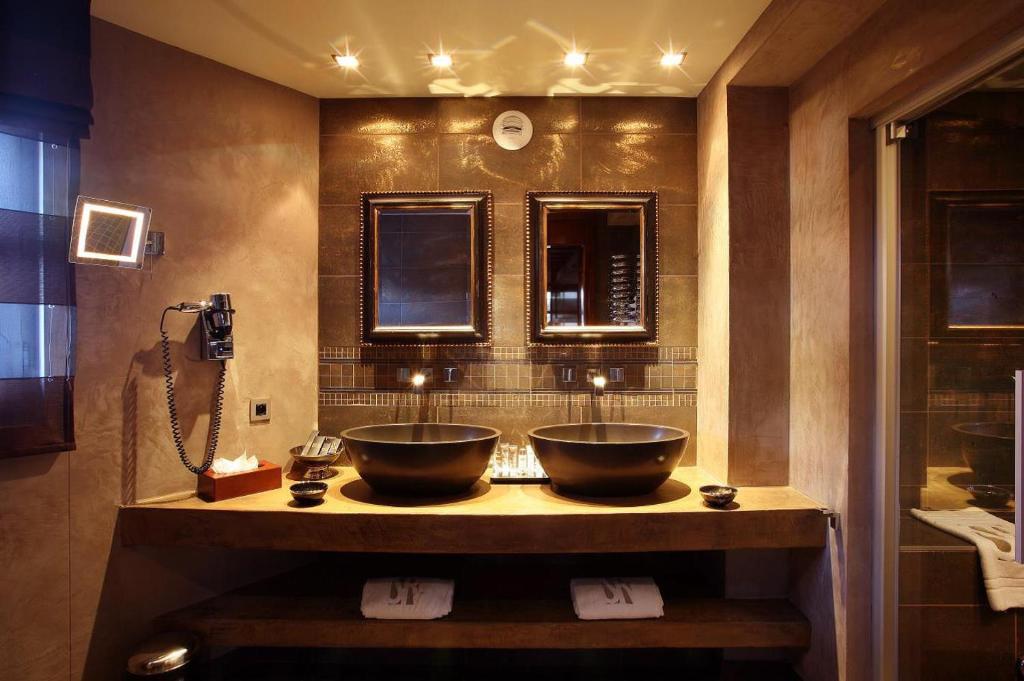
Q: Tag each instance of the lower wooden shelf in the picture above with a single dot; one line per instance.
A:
(289, 612)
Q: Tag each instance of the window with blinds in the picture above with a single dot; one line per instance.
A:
(37, 313)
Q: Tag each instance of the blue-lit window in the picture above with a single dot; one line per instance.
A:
(36, 296)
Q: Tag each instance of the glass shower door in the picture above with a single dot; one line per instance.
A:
(961, 321)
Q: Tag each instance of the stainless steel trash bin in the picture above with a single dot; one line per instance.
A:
(165, 657)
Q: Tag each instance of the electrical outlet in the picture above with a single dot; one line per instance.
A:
(259, 410)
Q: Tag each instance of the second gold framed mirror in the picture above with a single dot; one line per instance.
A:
(592, 267)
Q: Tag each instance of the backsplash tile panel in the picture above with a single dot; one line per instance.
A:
(591, 144)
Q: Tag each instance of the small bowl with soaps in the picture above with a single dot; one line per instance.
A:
(317, 455)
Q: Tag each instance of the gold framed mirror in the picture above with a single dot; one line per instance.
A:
(426, 267)
(592, 267)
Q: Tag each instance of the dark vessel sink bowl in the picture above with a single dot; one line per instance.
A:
(420, 459)
(608, 459)
(987, 447)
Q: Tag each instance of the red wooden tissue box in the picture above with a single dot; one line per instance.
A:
(213, 487)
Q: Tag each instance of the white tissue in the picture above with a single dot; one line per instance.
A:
(243, 463)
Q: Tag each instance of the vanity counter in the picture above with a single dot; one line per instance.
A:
(490, 519)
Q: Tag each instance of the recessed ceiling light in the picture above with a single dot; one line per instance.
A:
(347, 61)
(575, 58)
(441, 61)
(670, 59)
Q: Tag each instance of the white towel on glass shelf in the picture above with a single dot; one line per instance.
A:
(994, 537)
(616, 599)
(407, 598)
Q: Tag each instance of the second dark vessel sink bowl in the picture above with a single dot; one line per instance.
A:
(987, 447)
(608, 459)
(420, 459)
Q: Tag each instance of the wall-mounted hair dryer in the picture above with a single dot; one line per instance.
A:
(215, 339)
(215, 343)
(215, 325)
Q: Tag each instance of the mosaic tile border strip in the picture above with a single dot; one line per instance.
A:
(511, 400)
(681, 353)
(502, 377)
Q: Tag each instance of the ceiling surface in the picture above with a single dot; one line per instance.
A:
(499, 47)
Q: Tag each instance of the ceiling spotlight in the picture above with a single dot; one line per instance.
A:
(441, 61)
(574, 58)
(347, 61)
(670, 59)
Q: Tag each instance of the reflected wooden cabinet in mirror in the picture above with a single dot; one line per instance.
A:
(592, 267)
(426, 267)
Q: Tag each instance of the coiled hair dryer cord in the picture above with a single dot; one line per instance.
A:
(172, 409)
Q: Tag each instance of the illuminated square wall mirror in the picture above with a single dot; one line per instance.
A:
(592, 267)
(109, 233)
(427, 266)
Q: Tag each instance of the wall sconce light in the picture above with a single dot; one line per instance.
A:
(112, 234)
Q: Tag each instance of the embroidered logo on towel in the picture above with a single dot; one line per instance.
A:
(404, 592)
(616, 592)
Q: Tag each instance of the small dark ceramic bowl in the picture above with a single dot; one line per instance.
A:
(989, 496)
(718, 495)
(308, 492)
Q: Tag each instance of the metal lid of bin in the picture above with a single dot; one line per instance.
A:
(163, 653)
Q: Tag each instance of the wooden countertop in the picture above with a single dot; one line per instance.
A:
(490, 519)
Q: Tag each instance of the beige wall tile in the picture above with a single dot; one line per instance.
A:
(394, 116)
(665, 163)
(477, 162)
(509, 239)
(513, 423)
(678, 302)
(677, 239)
(639, 114)
(339, 240)
(509, 311)
(477, 114)
(351, 164)
(338, 311)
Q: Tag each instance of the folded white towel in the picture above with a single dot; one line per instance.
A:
(629, 598)
(994, 537)
(407, 598)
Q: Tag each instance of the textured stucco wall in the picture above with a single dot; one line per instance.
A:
(228, 163)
